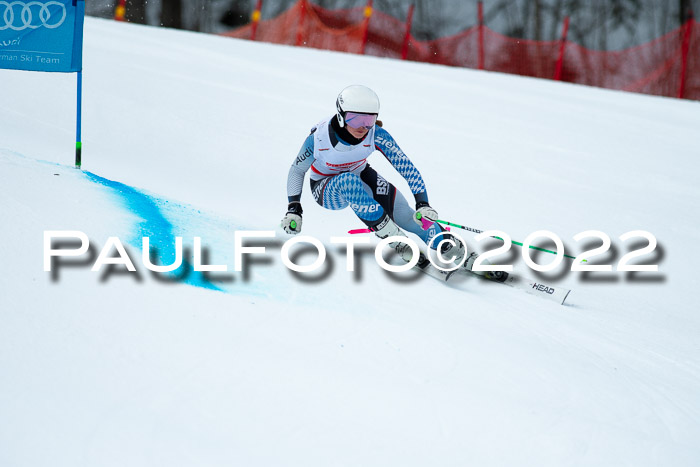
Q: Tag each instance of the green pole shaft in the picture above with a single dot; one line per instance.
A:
(477, 231)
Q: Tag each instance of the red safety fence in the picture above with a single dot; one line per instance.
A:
(667, 66)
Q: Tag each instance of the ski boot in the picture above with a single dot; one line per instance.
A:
(388, 228)
(458, 251)
(496, 276)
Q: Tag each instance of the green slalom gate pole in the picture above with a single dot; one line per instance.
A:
(477, 231)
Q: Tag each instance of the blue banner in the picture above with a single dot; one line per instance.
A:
(42, 35)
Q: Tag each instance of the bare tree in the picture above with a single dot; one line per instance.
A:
(135, 11)
(171, 14)
(686, 11)
(537, 5)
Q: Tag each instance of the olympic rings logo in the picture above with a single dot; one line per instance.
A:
(28, 15)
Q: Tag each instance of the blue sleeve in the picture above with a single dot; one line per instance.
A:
(386, 144)
(297, 172)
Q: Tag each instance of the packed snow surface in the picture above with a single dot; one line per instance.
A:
(190, 135)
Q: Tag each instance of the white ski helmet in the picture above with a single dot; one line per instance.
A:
(356, 98)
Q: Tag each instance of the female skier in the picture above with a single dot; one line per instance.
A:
(336, 151)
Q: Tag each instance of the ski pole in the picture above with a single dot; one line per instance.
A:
(477, 231)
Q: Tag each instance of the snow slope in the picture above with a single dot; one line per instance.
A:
(192, 135)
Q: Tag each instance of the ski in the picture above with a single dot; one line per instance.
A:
(426, 267)
(530, 286)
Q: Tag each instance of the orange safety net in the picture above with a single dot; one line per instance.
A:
(308, 25)
(668, 66)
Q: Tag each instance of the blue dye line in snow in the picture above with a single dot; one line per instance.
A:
(155, 226)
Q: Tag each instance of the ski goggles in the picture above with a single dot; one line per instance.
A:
(357, 120)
